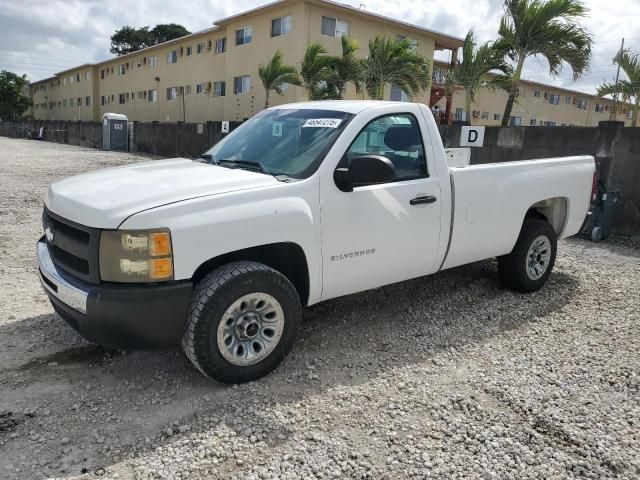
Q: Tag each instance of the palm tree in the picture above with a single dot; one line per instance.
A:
(316, 71)
(627, 89)
(346, 68)
(275, 74)
(471, 72)
(547, 28)
(395, 62)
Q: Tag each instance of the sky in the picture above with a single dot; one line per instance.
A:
(41, 37)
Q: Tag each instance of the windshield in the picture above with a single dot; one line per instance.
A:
(281, 142)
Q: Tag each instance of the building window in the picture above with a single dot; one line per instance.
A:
(629, 113)
(172, 93)
(187, 90)
(189, 49)
(414, 42)
(121, 98)
(153, 61)
(87, 75)
(152, 96)
(244, 35)
(581, 104)
(77, 78)
(241, 85)
(172, 57)
(397, 95)
(536, 93)
(496, 116)
(567, 100)
(554, 99)
(87, 101)
(281, 26)
(599, 107)
(199, 87)
(532, 122)
(79, 101)
(485, 116)
(334, 27)
(64, 81)
(515, 121)
(221, 45)
(219, 89)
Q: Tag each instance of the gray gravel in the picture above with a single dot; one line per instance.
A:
(442, 377)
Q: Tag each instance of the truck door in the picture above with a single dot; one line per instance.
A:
(382, 233)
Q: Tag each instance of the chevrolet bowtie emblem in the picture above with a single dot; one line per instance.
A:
(49, 234)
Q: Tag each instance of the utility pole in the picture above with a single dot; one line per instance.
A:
(614, 114)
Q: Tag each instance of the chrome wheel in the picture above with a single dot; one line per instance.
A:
(250, 329)
(538, 257)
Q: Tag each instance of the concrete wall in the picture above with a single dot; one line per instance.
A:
(83, 134)
(177, 140)
(163, 139)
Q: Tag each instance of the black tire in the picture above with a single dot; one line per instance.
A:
(513, 267)
(213, 295)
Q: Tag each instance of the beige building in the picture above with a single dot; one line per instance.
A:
(537, 104)
(213, 74)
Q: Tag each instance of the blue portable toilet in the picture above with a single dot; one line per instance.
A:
(115, 135)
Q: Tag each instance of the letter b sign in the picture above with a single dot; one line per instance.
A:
(472, 137)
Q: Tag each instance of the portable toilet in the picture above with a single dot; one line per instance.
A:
(115, 135)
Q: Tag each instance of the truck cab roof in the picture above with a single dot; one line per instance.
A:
(347, 106)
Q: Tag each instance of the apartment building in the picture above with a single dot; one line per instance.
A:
(213, 74)
(537, 104)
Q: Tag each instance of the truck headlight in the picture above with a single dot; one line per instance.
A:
(131, 256)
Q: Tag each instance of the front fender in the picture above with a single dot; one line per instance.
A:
(208, 227)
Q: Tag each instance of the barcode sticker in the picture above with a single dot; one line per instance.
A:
(322, 123)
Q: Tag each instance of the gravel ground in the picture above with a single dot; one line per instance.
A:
(447, 377)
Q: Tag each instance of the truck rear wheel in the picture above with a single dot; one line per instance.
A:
(243, 319)
(527, 268)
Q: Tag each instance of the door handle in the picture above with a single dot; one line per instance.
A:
(422, 200)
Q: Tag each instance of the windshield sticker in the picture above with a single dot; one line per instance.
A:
(322, 123)
(276, 131)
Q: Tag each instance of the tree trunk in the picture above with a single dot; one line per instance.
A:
(379, 92)
(467, 105)
(634, 116)
(266, 102)
(515, 82)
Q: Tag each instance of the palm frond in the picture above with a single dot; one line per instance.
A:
(394, 62)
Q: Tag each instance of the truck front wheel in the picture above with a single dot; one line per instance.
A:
(527, 268)
(243, 319)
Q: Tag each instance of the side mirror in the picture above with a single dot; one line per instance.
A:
(364, 170)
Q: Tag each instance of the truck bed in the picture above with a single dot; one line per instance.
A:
(490, 202)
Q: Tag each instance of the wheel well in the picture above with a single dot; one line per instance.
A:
(553, 210)
(287, 258)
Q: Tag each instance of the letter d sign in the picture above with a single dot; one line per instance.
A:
(472, 137)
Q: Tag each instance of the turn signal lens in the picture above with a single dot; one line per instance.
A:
(159, 244)
(160, 268)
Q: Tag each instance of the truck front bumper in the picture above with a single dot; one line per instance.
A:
(137, 317)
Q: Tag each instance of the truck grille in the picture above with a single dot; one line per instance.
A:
(73, 247)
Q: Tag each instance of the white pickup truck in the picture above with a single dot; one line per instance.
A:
(302, 203)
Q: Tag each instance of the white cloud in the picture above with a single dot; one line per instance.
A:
(41, 37)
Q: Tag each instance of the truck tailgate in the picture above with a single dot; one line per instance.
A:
(491, 201)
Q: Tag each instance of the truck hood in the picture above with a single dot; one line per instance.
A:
(104, 199)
